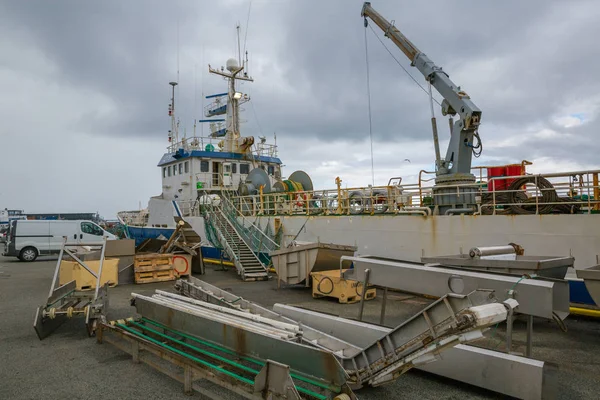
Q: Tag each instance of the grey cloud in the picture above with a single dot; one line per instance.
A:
(523, 63)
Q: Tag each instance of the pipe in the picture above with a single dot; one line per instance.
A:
(215, 261)
(364, 294)
(404, 212)
(484, 251)
(427, 210)
(420, 183)
(452, 211)
(228, 319)
(243, 314)
(436, 142)
(585, 312)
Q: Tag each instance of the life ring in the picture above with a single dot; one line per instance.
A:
(300, 200)
(187, 266)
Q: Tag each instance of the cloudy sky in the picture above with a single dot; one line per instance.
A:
(84, 88)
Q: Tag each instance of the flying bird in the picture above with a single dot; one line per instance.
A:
(406, 159)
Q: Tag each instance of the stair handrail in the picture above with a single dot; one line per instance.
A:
(213, 220)
(216, 216)
(257, 233)
(228, 221)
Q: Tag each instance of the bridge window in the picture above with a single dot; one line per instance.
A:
(271, 170)
(233, 168)
(164, 172)
(174, 169)
(203, 166)
(244, 169)
(186, 167)
(169, 170)
(180, 168)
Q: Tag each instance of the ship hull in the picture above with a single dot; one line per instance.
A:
(409, 238)
(141, 233)
(412, 237)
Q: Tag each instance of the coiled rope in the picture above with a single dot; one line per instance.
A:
(521, 204)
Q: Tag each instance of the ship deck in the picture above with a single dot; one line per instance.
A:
(70, 364)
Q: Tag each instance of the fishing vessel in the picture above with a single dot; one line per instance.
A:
(447, 211)
(197, 170)
(6, 216)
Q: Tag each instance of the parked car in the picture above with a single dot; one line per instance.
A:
(29, 239)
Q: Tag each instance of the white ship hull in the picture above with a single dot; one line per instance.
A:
(411, 237)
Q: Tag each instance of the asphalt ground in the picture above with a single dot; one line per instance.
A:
(69, 364)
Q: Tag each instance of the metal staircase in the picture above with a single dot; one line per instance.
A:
(247, 244)
(246, 261)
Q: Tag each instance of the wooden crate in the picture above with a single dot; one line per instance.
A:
(331, 284)
(72, 271)
(150, 268)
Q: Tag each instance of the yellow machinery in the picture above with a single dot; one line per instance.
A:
(331, 284)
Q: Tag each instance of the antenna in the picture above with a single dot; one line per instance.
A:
(246, 33)
(238, 43)
(178, 48)
(174, 125)
(202, 92)
(195, 99)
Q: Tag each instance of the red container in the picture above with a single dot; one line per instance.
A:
(505, 170)
(496, 184)
(513, 170)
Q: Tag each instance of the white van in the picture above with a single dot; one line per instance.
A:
(29, 239)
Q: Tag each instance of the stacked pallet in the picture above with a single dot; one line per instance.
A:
(149, 268)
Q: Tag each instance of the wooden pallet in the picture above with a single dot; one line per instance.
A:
(155, 276)
(150, 268)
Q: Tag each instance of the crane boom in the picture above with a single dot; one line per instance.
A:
(460, 149)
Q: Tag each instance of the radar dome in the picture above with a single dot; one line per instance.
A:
(232, 65)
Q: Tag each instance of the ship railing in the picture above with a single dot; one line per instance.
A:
(265, 149)
(195, 143)
(568, 192)
(201, 142)
(359, 200)
(563, 192)
(133, 218)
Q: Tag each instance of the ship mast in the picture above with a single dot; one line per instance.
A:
(233, 101)
(174, 132)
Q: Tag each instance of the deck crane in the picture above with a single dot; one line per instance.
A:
(454, 190)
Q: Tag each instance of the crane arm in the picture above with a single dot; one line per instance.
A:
(456, 101)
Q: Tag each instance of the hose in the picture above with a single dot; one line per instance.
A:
(478, 148)
(561, 324)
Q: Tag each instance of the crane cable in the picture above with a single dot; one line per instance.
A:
(369, 102)
(400, 64)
